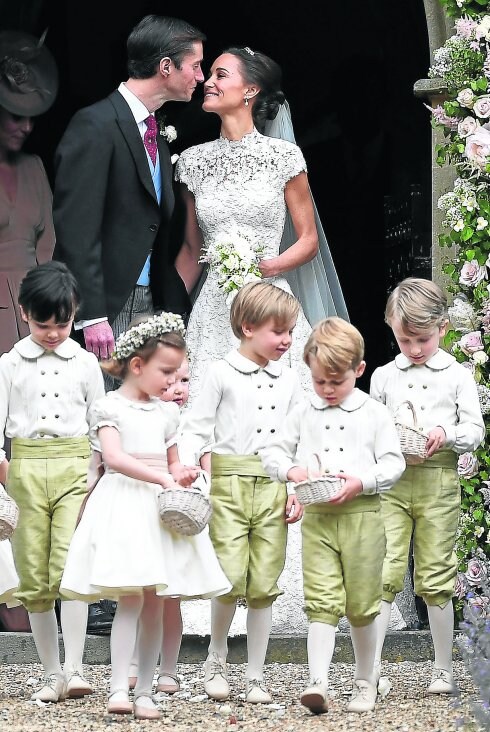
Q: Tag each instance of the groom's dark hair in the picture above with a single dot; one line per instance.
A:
(155, 37)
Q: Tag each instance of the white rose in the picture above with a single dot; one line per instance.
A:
(250, 278)
(170, 133)
(482, 107)
(467, 126)
(466, 98)
(480, 357)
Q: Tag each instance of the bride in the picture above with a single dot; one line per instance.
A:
(254, 186)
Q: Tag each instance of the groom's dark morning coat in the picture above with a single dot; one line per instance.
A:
(106, 215)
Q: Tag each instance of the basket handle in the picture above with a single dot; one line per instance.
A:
(317, 467)
(412, 409)
(203, 481)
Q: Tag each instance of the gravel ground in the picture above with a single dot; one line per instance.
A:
(407, 708)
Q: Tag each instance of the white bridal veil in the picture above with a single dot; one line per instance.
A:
(315, 283)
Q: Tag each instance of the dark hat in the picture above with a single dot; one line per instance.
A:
(28, 74)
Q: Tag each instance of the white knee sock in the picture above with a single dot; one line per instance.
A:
(381, 622)
(321, 644)
(222, 614)
(172, 636)
(123, 639)
(259, 622)
(149, 642)
(44, 628)
(74, 628)
(364, 644)
(441, 621)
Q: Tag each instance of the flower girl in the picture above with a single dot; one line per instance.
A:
(120, 549)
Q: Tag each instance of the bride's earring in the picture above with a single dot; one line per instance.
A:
(245, 99)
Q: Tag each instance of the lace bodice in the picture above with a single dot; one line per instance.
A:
(239, 185)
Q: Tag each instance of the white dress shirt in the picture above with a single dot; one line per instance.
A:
(46, 394)
(357, 437)
(443, 394)
(239, 408)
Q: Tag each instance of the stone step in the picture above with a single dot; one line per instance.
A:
(406, 645)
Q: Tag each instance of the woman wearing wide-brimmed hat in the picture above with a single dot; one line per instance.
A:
(28, 87)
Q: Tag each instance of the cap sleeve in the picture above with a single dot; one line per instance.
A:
(104, 414)
(184, 170)
(293, 162)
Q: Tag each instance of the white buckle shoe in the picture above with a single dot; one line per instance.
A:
(363, 697)
(256, 692)
(216, 677)
(442, 682)
(53, 689)
(314, 697)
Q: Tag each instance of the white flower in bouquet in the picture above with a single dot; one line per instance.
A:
(234, 260)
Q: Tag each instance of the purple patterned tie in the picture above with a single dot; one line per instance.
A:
(150, 138)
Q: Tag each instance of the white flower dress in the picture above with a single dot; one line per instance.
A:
(238, 186)
(120, 545)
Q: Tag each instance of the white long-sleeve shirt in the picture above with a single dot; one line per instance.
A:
(46, 394)
(239, 409)
(357, 437)
(443, 394)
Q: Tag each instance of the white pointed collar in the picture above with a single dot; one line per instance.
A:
(439, 361)
(353, 401)
(32, 350)
(246, 366)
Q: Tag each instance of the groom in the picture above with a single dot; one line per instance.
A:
(113, 197)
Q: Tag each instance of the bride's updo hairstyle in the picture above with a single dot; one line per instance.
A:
(261, 71)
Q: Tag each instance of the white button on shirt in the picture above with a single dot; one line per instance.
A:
(46, 394)
(443, 393)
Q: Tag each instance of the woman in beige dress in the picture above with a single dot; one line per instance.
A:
(28, 86)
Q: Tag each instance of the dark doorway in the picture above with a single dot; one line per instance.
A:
(349, 70)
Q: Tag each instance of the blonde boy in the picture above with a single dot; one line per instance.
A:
(243, 401)
(343, 540)
(427, 498)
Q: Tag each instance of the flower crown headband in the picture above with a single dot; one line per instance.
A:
(132, 339)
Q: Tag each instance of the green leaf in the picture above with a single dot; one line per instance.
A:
(467, 233)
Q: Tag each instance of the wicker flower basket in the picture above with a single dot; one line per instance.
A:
(317, 490)
(413, 442)
(184, 510)
(9, 514)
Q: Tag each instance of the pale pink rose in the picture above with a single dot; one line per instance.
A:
(476, 573)
(467, 465)
(471, 342)
(477, 148)
(466, 98)
(460, 586)
(482, 107)
(465, 27)
(467, 126)
(472, 273)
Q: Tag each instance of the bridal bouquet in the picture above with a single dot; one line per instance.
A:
(235, 262)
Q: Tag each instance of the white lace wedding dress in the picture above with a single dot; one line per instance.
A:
(238, 187)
